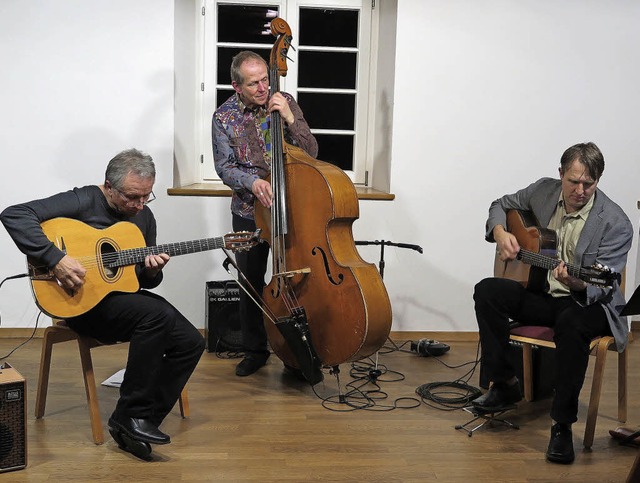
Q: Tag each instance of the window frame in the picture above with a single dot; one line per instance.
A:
(362, 161)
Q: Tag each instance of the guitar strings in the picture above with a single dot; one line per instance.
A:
(547, 262)
(135, 255)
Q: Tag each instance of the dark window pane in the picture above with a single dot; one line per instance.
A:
(328, 111)
(336, 149)
(329, 70)
(315, 23)
(222, 95)
(242, 23)
(225, 55)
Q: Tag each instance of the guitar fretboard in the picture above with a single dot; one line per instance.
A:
(543, 261)
(137, 255)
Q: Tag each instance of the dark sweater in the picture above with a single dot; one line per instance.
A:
(87, 204)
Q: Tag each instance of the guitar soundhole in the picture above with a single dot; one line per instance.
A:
(108, 256)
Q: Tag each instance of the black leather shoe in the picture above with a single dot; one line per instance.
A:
(499, 395)
(293, 372)
(139, 430)
(137, 448)
(251, 363)
(560, 448)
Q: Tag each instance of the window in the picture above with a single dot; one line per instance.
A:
(328, 74)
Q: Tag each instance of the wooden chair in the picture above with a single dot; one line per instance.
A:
(60, 332)
(533, 335)
(530, 336)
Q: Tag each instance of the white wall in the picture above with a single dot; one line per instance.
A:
(488, 95)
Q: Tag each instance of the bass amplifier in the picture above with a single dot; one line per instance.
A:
(13, 419)
(222, 329)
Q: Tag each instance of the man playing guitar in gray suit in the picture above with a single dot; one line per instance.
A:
(590, 229)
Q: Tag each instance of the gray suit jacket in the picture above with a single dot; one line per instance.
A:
(606, 238)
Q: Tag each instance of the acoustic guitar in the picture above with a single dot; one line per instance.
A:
(538, 254)
(109, 257)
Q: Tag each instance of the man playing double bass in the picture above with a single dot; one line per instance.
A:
(590, 228)
(241, 151)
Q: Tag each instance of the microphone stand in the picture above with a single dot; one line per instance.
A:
(382, 244)
(381, 264)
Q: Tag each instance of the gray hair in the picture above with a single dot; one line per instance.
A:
(239, 59)
(129, 161)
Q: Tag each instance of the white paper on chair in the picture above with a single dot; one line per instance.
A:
(115, 380)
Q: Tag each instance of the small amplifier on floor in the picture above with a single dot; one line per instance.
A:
(13, 419)
(543, 369)
(222, 329)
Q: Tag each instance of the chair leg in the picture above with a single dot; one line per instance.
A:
(596, 388)
(185, 412)
(43, 378)
(622, 385)
(52, 335)
(634, 473)
(527, 371)
(91, 390)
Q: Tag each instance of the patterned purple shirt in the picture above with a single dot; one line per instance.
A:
(241, 147)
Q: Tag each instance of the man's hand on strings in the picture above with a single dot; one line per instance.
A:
(277, 102)
(507, 245)
(153, 264)
(69, 273)
(262, 191)
(561, 274)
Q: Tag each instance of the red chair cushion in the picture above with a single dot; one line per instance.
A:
(534, 332)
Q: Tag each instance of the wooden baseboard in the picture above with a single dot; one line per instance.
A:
(24, 333)
(459, 336)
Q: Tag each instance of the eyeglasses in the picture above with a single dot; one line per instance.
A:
(135, 200)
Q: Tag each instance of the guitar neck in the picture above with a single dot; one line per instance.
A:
(543, 261)
(137, 255)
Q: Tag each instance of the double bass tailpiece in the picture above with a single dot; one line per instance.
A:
(295, 330)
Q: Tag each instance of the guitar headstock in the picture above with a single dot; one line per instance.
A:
(241, 240)
(599, 275)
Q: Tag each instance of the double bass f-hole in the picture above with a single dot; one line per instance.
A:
(327, 269)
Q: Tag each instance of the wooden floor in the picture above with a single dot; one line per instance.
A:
(272, 427)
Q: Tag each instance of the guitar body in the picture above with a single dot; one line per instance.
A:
(109, 257)
(523, 225)
(85, 244)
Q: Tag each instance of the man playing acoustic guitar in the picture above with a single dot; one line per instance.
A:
(164, 346)
(590, 229)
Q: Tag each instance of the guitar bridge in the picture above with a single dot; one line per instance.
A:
(39, 272)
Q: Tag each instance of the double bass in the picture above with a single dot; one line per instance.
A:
(320, 288)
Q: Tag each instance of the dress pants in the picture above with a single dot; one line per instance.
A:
(499, 301)
(164, 350)
(253, 264)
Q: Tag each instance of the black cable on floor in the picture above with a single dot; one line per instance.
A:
(452, 395)
(24, 341)
(364, 391)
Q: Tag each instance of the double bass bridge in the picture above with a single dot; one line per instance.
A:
(293, 273)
